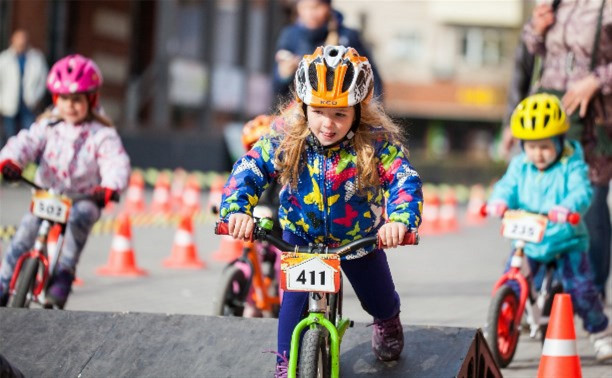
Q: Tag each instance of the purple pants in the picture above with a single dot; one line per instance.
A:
(371, 279)
(574, 273)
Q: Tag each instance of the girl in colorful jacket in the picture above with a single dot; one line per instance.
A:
(550, 176)
(342, 164)
(78, 152)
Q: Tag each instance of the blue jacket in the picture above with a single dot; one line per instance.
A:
(325, 207)
(565, 183)
(301, 41)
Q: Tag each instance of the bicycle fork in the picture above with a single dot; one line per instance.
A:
(317, 306)
(37, 253)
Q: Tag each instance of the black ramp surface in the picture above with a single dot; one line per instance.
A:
(44, 343)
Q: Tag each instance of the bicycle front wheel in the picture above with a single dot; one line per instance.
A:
(500, 331)
(314, 355)
(25, 284)
(231, 293)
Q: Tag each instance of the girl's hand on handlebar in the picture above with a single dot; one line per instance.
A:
(102, 195)
(240, 226)
(10, 170)
(392, 234)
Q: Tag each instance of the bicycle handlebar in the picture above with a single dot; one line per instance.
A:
(259, 233)
(114, 196)
(573, 218)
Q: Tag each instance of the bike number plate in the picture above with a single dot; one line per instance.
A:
(520, 225)
(308, 272)
(50, 207)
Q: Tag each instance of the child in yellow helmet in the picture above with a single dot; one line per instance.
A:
(550, 176)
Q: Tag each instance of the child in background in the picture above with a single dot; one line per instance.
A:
(79, 152)
(550, 176)
(340, 159)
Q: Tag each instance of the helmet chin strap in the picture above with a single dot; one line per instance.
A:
(350, 134)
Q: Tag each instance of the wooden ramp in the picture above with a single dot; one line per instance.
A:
(51, 343)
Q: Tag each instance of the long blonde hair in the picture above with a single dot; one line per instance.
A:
(374, 125)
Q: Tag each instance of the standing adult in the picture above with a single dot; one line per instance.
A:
(317, 24)
(23, 73)
(575, 44)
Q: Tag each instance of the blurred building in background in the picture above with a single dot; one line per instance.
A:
(178, 72)
(446, 66)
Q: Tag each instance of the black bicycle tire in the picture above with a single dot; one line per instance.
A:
(224, 301)
(491, 335)
(25, 284)
(555, 289)
(314, 356)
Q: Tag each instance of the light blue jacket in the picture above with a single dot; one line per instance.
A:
(565, 183)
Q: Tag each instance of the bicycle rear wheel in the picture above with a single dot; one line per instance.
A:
(25, 284)
(500, 331)
(231, 293)
(314, 356)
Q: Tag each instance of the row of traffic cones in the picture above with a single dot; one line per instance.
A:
(440, 210)
(122, 258)
(182, 195)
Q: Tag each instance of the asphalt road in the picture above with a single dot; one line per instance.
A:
(445, 281)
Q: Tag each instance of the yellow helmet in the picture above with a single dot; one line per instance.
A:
(539, 116)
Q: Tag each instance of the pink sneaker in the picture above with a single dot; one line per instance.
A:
(387, 338)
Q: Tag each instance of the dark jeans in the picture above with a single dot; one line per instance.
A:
(597, 220)
(371, 279)
(11, 125)
(574, 272)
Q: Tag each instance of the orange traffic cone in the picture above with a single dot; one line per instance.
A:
(184, 253)
(160, 204)
(52, 239)
(121, 260)
(229, 250)
(559, 354)
(176, 189)
(448, 212)
(431, 213)
(473, 216)
(191, 196)
(134, 199)
(215, 194)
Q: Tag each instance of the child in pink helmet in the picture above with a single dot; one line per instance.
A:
(79, 152)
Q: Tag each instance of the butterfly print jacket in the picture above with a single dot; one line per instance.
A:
(326, 207)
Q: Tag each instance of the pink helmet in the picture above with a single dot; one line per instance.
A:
(74, 74)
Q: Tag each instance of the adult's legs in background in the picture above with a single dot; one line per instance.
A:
(597, 220)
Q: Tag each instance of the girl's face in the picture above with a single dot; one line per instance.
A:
(313, 14)
(73, 108)
(540, 152)
(330, 125)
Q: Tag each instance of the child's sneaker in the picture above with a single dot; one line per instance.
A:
(602, 343)
(387, 338)
(282, 367)
(58, 292)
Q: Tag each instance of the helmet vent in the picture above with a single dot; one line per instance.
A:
(312, 77)
(329, 78)
(348, 77)
(360, 79)
(546, 120)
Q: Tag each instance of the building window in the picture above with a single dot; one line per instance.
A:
(406, 46)
(482, 46)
